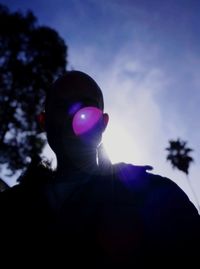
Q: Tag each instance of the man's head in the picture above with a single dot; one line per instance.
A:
(68, 95)
(75, 85)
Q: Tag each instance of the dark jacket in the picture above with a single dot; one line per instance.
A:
(120, 219)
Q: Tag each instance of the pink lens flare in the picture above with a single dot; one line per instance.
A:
(85, 119)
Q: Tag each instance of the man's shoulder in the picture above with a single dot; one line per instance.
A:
(138, 176)
(157, 190)
(142, 174)
(141, 178)
(27, 185)
(36, 174)
(9, 192)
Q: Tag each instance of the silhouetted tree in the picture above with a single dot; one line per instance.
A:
(31, 57)
(179, 157)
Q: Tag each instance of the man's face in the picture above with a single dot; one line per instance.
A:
(61, 108)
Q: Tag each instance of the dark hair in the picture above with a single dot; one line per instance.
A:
(77, 81)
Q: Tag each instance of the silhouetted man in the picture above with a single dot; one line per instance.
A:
(89, 211)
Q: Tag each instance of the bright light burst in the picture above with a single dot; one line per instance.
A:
(119, 144)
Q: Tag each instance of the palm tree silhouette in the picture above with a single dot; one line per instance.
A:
(179, 156)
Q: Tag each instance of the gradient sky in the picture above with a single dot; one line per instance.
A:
(145, 55)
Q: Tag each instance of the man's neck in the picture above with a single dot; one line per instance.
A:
(69, 167)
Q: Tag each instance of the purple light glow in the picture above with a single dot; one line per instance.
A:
(85, 119)
(74, 108)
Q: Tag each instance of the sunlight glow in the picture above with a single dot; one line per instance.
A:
(119, 144)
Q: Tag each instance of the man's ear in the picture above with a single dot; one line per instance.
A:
(105, 120)
(41, 118)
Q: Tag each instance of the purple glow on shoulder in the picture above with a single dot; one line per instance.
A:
(85, 119)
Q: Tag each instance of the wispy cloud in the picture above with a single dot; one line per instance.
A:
(133, 85)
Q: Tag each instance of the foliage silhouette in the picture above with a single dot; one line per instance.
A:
(179, 155)
(31, 57)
